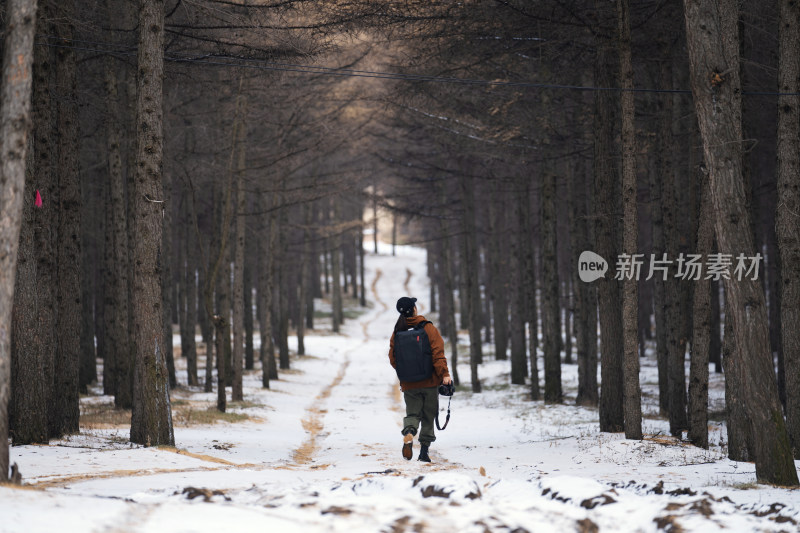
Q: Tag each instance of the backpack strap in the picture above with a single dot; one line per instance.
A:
(421, 325)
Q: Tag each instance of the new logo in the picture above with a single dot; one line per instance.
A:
(591, 266)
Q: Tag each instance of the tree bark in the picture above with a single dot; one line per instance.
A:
(499, 265)
(336, 274)
(189, 323)
(284, 283)
(238, 261)
(30, 363)
(712, 39)
(267, 354)
(701, 330)
(519, 356)
(249, 326)
(446, 300)
(611, 394)
(15, 126)
(167, 277)
(787, 220)
(29, 388)
(471, 287)
(674, 334)
(551, 323)
(65, 398)
(663, 161)
(304, 285)
(87, 356)
(585, 293)
(632, 394)
(151, 418)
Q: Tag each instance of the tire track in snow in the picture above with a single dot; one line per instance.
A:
(313, 421)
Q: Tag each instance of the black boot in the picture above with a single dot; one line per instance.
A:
(423, 453)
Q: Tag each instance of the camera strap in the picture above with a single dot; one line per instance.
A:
(446, 420)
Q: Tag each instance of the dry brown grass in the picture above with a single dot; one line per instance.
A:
(185, 413)
(104, 416)
(199, 414)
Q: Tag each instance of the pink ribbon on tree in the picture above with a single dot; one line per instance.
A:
(38, 201)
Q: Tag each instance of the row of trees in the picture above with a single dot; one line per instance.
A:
(161, 190)
(240, 181)
(546, 174)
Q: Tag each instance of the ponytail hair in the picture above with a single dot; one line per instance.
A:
(401, 324)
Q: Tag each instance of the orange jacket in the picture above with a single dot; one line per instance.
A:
(440, 370)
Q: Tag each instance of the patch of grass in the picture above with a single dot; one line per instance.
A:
(105, 417)
(210, 415)
(244, 404)
(747, 485)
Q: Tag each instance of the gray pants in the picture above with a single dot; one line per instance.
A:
(422, 406)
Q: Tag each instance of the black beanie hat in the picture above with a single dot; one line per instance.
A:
(405, 306)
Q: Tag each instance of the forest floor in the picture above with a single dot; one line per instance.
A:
(320, 451)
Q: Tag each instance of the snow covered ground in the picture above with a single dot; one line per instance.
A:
(320, 451)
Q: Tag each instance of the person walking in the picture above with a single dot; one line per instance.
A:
(416, 352)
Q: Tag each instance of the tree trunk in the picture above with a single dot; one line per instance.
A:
(738, 425)
(528, 286)
(249, 326)
(551, 323)
(224, 307)
(446, 300)
(239, 310)
(787, 221)
(499, 267)
(363, 293)
(471, 287)
(585, 293)
(611, 410)
(632, 394)
(189, 324)
(715, 343)
(304, 289)
(519, 356)
(336, 254)
(15, 125)
(87, 357)
(167, 278)
(30, 362)
(284, 269)
(65, 398)
(119, 354)
(663, 172)
(267, 354)
(151, 419)
(29, 389)
(221, 329)
(701, 330)
(712, 38)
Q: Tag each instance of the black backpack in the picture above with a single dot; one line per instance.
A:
(412, 354)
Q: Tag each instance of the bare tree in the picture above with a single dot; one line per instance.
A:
(701, 331)
(787, 220)
(151, 420)
(551, 323)
(64, 399)
(632, 394)
(15, 123)
(608, 297)
(712, 38)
